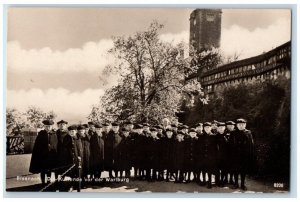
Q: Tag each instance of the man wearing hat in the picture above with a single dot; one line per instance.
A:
(61, 133)
(44, 153)
(243, 145)
(179, 157)
(97, 152)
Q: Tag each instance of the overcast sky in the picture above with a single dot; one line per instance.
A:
(56, 55)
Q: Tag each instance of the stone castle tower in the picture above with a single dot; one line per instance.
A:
(205, 28)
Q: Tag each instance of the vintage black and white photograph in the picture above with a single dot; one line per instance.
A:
(158, 100)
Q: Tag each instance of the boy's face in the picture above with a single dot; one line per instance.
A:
(180, 137)
(86, 130)
(126, 133)
(82, 132)
(214, 126)
(92, 128)
(241, 126)
(207, 129)
(153, 133)
(105, 128)
(221, 129)
(72, 133)
(160, 131)
(193, 134)
(199, 128)
(139, 130)
(230, 127)
(146, 128)
(169, 134)
(98, 131)
(48, 127)
(115, 129)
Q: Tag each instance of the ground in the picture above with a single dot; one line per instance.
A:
(17, 180)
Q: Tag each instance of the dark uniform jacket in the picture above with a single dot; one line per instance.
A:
(224, 150)
(199, 150)
(123, 154)
(154, 152)
(70, 155)
(111, 142)
(210, 151)
(168, 153)
(96, 154)
(60, 149)
(179, 155)
(44, 153)
(242, 146)
(190, 153)
(83, 146)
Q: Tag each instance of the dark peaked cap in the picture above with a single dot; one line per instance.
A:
(62, 121)
(72, 127)
(48, 122)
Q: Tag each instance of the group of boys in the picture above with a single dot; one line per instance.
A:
(169, 152)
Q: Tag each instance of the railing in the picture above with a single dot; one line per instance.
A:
(15, 144)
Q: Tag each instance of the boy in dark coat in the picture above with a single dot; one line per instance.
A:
(83, 144)
(222, 153)
(168, 153)
(123, 155)
(154, 152)
(111, 143)
(230, 130)
(210, 150)
(179, 156)
(71, 152)
(97, 152)
(44, 153)
(190, 155)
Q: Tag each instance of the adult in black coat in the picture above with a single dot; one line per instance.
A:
(97, 152)
(243, 146)
(44, 153)
(61, 133)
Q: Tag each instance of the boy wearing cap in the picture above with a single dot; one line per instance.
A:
(44, 153)
(222, 154)
(123, 155)
(83, 144)
(71, 153)
(230, 129)
(97, 152)
(179, 157)
(190, 155)
(154, 152)
(111, 143)
(168, 153)
(243, 145)
(210, 149)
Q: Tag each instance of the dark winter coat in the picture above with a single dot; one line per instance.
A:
(111, 141)
(44, 153)
(96, 154)
(243, 148)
